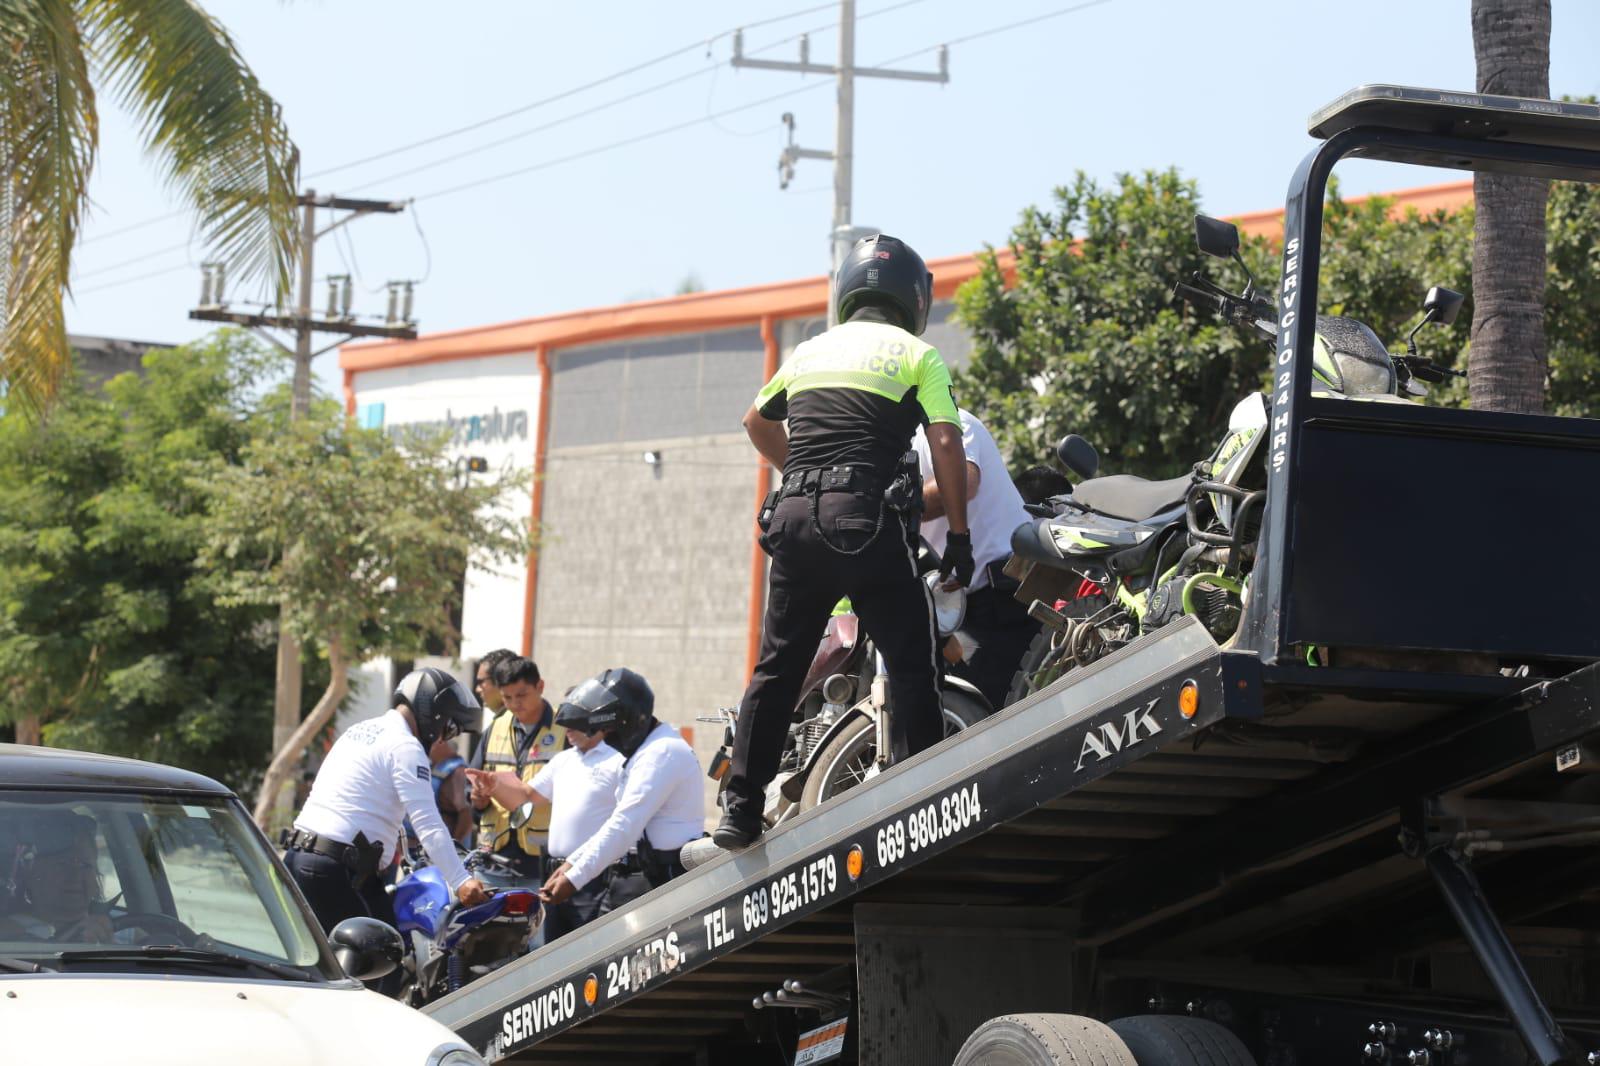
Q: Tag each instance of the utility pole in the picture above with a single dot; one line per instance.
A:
(303, 323)
(842, 234)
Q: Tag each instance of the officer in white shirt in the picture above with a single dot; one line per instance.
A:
(376, 774)
(995, 621)
(580, 784)
(660, 802)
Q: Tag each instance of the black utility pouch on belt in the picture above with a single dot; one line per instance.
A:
(768, 506)
(904, 493)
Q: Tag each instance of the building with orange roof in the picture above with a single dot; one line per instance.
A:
(641, 482)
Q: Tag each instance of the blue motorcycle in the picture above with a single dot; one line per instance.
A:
(449, 945)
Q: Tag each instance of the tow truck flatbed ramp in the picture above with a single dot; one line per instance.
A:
(1015, 762)
(1072, 797)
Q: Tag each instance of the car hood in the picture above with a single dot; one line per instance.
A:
(179, 1020)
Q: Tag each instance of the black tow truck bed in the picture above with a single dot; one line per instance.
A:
(1098, 797)
(768, 910)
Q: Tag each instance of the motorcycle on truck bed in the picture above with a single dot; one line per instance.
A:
(1360, 829)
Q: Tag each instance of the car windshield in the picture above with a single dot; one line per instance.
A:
(101, 878)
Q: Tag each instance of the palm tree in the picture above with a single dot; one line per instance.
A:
(1506, 370)
(219, 139)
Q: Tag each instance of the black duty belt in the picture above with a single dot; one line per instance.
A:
(361, 858)
(831, 479)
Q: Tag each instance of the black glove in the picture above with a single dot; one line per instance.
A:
(957, 561)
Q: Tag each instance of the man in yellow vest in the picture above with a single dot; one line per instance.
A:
(522, 740)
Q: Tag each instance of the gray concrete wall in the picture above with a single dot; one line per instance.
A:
(648, 566)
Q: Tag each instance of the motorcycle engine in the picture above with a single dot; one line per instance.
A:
(1166, 604)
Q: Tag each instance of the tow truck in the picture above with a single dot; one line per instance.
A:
(1188, 854)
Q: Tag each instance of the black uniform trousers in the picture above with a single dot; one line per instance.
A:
(1003, 632)
(807, 578)
(337, 892)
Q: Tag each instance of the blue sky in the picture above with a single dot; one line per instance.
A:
(1220, 88)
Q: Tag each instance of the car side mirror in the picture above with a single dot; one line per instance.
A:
(1216, 237)
(521, 815)
(366, 948)
(1078, 455)
(1442, 305)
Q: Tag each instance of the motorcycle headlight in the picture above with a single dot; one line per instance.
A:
(454, 1055)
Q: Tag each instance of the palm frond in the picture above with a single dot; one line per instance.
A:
(219, 137)
(48, 135)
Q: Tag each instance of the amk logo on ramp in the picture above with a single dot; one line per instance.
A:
(1107, 738)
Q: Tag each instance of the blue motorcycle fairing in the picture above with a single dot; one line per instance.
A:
(420, 899)
(466, 919)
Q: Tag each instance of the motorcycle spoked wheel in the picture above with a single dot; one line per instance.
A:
(1047, 658)
(845, 761)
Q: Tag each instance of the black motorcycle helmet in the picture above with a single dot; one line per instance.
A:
(441, 705)
(888, 272)
(618, 701)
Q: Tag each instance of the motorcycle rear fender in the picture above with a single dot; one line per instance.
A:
(967, 689)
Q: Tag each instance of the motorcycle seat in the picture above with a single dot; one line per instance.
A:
(1130, 497)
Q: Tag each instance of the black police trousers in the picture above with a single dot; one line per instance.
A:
(807, 578)
(337, 892)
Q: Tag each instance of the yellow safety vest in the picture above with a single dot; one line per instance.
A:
(500, 753)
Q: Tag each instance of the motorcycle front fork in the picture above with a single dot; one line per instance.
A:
(881, 712)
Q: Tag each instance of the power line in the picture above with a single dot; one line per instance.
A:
(664, 57)
(674, 128)
(709, 117)
(130, 281)
(130, 262)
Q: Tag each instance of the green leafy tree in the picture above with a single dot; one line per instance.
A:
(1088, 338)
(359, 542)
(217, 136)
(110, 639)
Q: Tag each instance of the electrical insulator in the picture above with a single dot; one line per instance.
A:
(333, 296)
(344, 297)
(394, 303)
(205, 284)
(405, 315)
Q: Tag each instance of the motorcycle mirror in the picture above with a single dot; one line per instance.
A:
(1078, 455)
(1216, 237)
(521, 815)
(1442, 305)
(366, 948)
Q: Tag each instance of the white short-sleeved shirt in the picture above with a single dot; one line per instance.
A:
(581, 787)
(994, 513)
(376, 775)
(660, 799)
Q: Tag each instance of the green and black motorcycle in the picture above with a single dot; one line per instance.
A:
(1116, 557)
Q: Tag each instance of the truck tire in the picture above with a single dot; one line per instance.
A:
(1044, 1040)
(1176, 1040)
(843, 762)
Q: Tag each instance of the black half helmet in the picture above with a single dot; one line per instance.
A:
(618, 701)
(883, 270)
(441, 705)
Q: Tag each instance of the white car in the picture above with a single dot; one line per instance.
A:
(145, 919)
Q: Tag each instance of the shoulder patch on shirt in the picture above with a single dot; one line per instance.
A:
(424, 773)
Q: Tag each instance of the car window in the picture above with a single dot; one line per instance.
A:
(90, 869)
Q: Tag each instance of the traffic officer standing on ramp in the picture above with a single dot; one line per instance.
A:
(844, 520)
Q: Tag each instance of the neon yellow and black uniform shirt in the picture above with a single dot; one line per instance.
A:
(855, 395)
